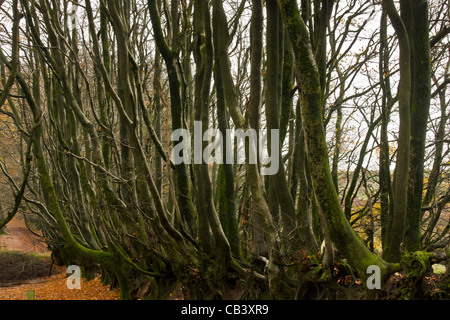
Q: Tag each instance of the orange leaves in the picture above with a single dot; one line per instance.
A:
(55, 288)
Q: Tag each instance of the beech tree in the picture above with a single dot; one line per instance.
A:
(350, 96)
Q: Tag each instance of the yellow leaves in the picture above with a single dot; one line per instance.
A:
(392, 150)
(362, 225)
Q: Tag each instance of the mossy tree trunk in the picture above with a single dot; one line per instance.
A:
(177, 85)
(399, 213)
(204, 184)
(418, 32)
(279, 186)
(260, 205)
(342, 235)
(386, 193)
(226, 191)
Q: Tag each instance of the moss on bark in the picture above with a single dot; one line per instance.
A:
(341, 233)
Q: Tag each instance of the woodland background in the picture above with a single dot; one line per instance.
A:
(92, 90)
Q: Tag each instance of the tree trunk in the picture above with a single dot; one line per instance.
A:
(340, 231)
(175, 83)
(282, 196)
(399, 214)
(227, 197)
(386, 195)
(261, 207)
(418, 30)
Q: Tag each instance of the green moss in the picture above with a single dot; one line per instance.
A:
(416, 264)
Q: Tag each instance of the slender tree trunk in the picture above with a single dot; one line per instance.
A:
(418, 29)
(200, 114)
(351, 194)
(158, 109)
(227, 196)
(280, 189)
(254, 117)
(223, 250)
(322, 20)
(175, 83)
(438, 154)
(337, 149)
(287, 94)
(399, 215)
(386, 196)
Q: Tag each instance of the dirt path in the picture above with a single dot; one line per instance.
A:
(19, 238)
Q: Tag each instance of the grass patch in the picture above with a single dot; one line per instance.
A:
(19, 266)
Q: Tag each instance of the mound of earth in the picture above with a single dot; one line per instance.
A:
(23, 256)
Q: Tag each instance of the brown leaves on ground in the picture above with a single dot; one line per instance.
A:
(19, 238)
(55, 288)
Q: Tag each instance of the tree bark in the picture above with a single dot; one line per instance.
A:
(175, 83)
(418, 30)
(261, 207)
(399, 214)
(282, 196)
(340, 231)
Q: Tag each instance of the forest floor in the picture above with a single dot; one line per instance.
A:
(18, 243)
